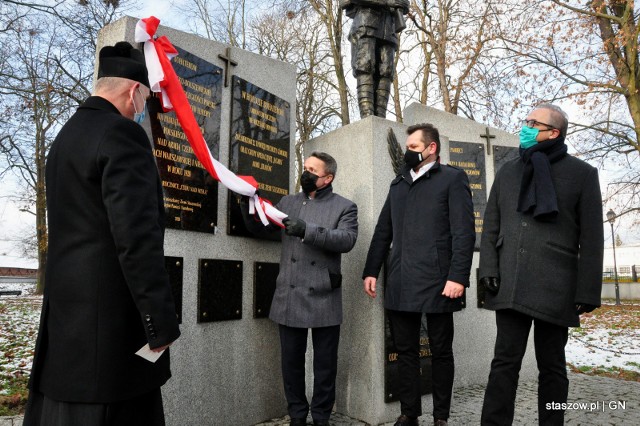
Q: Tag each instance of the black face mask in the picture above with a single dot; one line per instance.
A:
(413, 158)
(308, 182)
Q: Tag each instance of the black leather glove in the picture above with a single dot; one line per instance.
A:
(492, 284)
(583, 308)
(294, 226)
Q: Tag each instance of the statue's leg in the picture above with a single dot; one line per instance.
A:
(386, 71)
(363, 63)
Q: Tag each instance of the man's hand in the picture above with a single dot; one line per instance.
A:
(492, 284)
(453, 290)
(370, 286)
(583, 308)
(294, 227)
(161, 348)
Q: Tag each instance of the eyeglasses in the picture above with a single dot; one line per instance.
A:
(533, 123)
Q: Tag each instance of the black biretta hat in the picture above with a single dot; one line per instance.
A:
(122, 60)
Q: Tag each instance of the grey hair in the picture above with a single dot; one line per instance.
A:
(109, 84)
(559, 118)
(330, 165)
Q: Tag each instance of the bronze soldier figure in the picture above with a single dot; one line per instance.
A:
(373, 46)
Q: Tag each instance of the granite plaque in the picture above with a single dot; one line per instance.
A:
(259, 138)
(502, 154)
(173, 265)
(190, 193)
(470, 158)
(391, 377)
(219, 290)
(264, 285)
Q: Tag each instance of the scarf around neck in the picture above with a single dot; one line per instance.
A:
(537, 191)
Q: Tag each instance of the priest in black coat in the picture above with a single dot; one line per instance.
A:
(107, 293)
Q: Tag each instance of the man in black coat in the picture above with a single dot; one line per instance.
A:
(541, 262)
(107, 293)
(427, 220)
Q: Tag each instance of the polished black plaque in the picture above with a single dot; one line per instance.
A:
(482, 292)
(190, 193)
(174, 268)
(391, 376)
(503, 154)
(264, 285)
(470, 158)
(219, 290)
(260, 135)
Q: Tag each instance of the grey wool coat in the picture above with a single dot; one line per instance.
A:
(429, 225)
(545, 268)
(308, 292)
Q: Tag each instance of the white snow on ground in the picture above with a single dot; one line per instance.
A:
(605, 347)
(19, 319)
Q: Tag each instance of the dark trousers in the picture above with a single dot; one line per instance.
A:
(405, 329)
(293, 346)
(511, 344)
(144, 410)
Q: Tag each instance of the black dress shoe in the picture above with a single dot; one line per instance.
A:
(406, 421)
(298, 422)
(321, 423)
(439, 422)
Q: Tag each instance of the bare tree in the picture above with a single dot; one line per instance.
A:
(331, 15)
(299, 37)
(46, 68)
(586, 54)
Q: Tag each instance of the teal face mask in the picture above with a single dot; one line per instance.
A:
(528, 136)
(138, 117)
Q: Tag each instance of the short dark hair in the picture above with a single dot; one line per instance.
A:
(330, 165)
(429, 134)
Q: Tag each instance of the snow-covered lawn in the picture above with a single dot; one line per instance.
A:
(608, 339)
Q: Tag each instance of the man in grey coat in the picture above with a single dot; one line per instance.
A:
(540, 261)
(321, 226)
(427, 220)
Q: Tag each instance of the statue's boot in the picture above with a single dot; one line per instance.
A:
(365, 95)
(382, 97)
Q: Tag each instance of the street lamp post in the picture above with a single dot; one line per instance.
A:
(611, 217)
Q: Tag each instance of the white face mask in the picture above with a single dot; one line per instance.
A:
(138, 117)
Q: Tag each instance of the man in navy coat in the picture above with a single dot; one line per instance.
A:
(107, 293)
(427, 220)
(541, 262)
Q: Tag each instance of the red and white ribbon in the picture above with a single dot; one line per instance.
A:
(158, 53)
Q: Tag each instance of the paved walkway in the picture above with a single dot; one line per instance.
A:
(598, 402)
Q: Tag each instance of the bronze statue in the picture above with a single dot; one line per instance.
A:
(373, 47)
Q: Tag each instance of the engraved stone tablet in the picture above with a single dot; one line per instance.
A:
(259, 145)
(190, 193)
(470, 158)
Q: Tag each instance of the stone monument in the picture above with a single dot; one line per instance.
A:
(226, 364)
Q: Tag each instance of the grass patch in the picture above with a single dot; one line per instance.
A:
(612, 372)
(19, 319)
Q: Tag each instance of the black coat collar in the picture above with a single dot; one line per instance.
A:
(97, 102)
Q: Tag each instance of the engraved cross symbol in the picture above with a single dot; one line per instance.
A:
(228, 61)
(488, 136)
